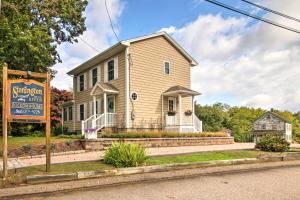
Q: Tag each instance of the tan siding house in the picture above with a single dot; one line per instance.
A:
(143, 84)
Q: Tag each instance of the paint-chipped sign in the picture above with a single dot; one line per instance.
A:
(26, 99)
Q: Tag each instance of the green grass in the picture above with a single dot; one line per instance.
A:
(18, 177)
(202, 157)
(17, 142)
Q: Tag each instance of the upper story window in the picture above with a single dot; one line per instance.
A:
(81, 82)
(94, 76)
(167, 68)
(70, 113)
(111, 70)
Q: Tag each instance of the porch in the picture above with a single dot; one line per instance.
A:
(177, 119)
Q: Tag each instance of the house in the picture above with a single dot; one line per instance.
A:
(272, 123)
(138, 84)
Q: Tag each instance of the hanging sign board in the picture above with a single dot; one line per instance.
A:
(26, 100)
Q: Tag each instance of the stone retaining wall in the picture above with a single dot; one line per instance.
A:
(103, 143)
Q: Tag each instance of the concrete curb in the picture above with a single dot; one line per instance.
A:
(108, 181)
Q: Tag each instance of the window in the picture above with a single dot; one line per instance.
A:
(111, 70)
(166, 68)
(94, 76)
(70, 113)
(263, 127)
(65, 114)
(81, 112)
(171, 104)
(274, 127)
(81, 82)
(111, 104)
(134, 96)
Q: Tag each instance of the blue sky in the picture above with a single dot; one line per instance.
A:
(241, 61)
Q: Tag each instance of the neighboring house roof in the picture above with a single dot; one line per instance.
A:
(122, 45)
(175, 90)
(273, 114)
(105, 87)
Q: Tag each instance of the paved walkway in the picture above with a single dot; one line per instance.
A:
(97, 155)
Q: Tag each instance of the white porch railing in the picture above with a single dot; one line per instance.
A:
(170, 120)
(93, 124)
(197, 124)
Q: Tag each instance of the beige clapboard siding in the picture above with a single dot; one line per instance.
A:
(85, 97)
(148, 80)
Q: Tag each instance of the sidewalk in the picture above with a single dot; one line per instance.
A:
(158, 151)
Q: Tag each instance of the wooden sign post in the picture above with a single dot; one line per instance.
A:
(26, 101)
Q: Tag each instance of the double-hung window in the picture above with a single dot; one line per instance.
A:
(65, 114)
(167, 68)
(81, 82)
(70, 113)
(111, 70)
(81, 112)
(94, 76)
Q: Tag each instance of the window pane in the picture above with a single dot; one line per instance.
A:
(167, 68)
(82, 112)
(94, 74)
(171, 105)
(70, 113)
(65, 114)
(111, 70)
(81, 82)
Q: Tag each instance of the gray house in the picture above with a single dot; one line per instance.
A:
(272, 123)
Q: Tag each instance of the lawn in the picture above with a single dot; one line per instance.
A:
(203, 156)
(18, 176)
(17, 142)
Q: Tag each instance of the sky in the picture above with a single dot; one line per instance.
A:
(242, 62)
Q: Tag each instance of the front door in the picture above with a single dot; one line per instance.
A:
(111, 104)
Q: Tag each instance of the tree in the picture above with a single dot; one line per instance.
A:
(58, 97)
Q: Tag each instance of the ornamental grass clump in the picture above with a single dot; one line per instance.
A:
(273, 143)
(122, 154)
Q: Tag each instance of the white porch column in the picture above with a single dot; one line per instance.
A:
(105, 108)
(180, 110)
(162, 111)
(193, 111)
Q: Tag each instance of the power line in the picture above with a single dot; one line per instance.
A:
(111, 24)
(253, 16)
(272, 11)
(88, 44)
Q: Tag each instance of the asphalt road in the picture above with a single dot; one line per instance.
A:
(280, 183)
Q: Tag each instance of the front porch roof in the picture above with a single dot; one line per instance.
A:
(176, 90)
(100, 88)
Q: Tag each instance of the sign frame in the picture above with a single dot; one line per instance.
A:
(6, 117)
(15, 118)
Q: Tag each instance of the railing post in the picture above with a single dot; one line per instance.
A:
(180, 102)
(82, 127)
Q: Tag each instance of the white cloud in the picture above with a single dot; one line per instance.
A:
(254, 63)
(98, 34)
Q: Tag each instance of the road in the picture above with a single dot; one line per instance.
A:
(280, 183)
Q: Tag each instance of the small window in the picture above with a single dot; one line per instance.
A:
(171, 104)
(70, 113)
(81, 112)
(263, 127)
(134, 96)
(167, 68)
(111, 70)
(81, 82)
(94, 76)
(65, 114)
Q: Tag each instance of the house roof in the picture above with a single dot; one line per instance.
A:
(122, 45)
(175, 90)
(273, 114)
(105, 87)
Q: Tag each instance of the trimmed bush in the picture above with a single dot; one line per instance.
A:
(69, 142)
(122, 154)
(273, 143)
(27, 147)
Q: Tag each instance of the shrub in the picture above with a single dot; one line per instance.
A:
(122, 154)
(52, 146)
(273, 143)
(38, 134)
(27, 147)
(246, 137)
(69, 142)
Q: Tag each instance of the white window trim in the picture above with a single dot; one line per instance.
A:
(164, 67)
(91, 76)
(174, 100)
(116, 69)
(136, 95)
